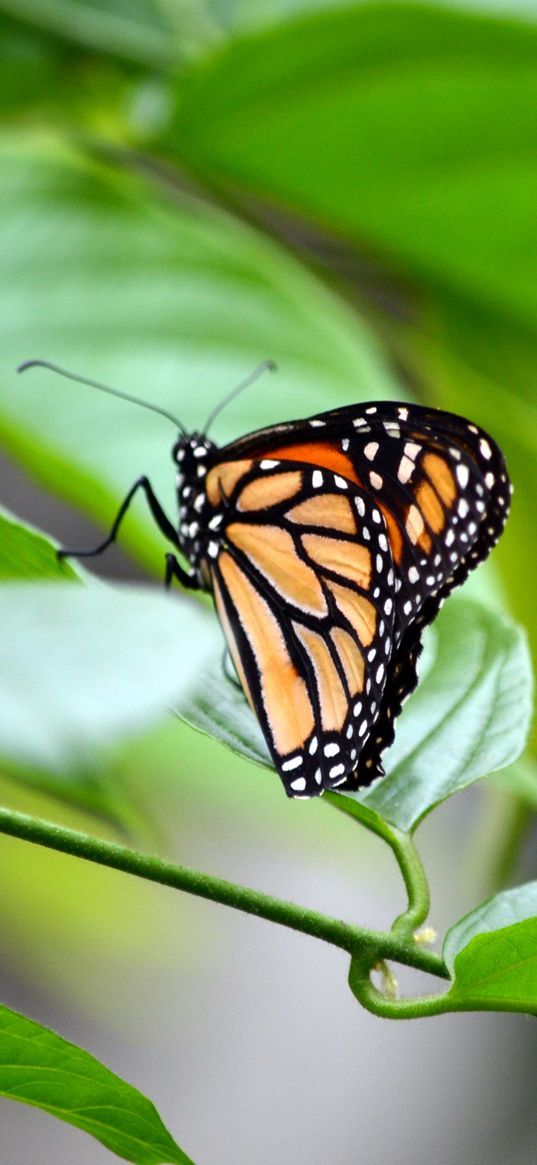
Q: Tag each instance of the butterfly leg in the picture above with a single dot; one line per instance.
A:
(174, 570)
(161, 520)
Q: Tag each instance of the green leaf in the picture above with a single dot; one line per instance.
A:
(492, 954)
(81, 668)
(135, 31)
(215, 705)
(164, 298)
(26, 554)
(421, 109)
(40, 1068)
(469, 717)
(504, 910)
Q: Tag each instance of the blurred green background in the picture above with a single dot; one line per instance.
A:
(185, 189)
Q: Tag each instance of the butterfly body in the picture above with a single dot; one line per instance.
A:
(329, 544)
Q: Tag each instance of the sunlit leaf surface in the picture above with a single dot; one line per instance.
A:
(83, 667)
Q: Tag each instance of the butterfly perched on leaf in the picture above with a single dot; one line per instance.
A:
(329, 544)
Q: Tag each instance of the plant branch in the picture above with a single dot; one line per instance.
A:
(389, 1007)
(373, 945)
(406, 856)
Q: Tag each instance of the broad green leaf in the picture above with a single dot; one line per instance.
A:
(161, 297)
(40, 1068)
(404, 126)
(505, 909)
(26, 554)
(468, 718)
(497, 971)
(83, 667)
(215, 705)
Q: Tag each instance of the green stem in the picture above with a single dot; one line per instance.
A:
(405, 854)
(373, 945)
(416, 884)
(388, 1008)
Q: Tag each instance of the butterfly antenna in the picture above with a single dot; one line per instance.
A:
(265, 366)
(103, 387)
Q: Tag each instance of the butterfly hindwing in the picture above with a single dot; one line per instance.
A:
(439, 480)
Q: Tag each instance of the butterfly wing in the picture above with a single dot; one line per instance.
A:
(439, 480)
(307, 609)
(428, 494)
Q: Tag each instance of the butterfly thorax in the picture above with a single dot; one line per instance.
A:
(192, 455)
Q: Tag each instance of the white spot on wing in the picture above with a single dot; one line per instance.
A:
(371, 450)
(406, 469)
(294, 763)
(412, 450)
(331, 749)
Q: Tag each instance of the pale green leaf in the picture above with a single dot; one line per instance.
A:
(83, 667)
(27, 554)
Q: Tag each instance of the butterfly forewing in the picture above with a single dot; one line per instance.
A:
(307, 608)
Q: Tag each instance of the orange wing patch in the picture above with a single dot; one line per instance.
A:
(269, 491)
(430, 506)
(221, 481)
(322, 454)
(349, 559)
(351, 659)
(332, 698)
(230, 639)
(331, 510)
(284, 693)
(272, 551)
(441, 476)
(358, 611)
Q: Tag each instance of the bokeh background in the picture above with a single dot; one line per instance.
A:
(185, 189)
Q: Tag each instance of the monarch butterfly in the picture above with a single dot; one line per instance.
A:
(329, 544)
